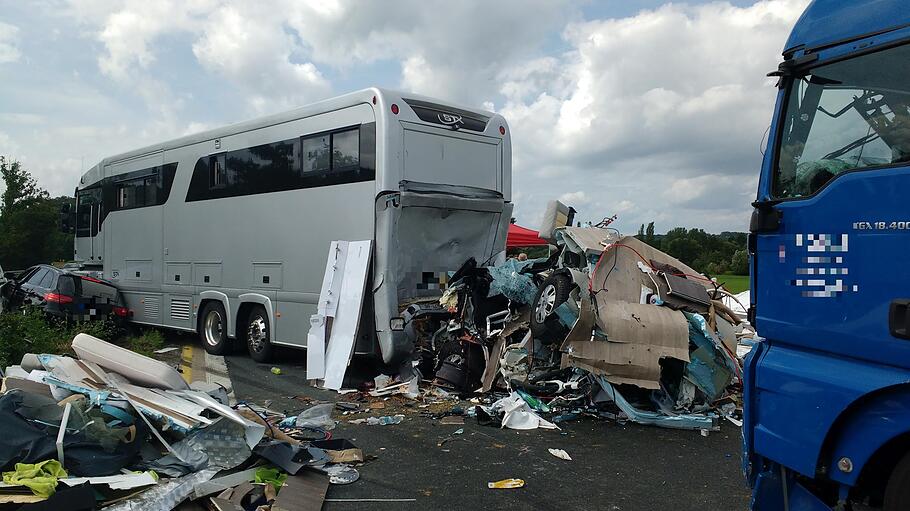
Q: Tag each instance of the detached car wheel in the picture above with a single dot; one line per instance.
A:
(552, 293)
(257, 333)
(213, 329)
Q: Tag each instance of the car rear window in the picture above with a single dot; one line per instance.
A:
(47, 282)
(66, 286)
(94, 288)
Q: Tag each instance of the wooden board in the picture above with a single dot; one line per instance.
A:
(304, 492)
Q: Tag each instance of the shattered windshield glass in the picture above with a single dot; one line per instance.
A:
(844, 116)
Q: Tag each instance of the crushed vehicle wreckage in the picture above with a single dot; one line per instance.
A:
(607, 326)
(116, 430)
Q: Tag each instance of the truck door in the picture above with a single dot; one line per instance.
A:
(832, 228)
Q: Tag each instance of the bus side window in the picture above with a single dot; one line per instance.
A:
(316, 153)
(217, 171)
(346, 150)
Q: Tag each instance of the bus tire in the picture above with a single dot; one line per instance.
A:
(213, 329)
(256, 333)
(897, 491)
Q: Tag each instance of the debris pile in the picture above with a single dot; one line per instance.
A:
(607, 327)
(117, 430)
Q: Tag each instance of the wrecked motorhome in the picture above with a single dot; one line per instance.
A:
(607, 326)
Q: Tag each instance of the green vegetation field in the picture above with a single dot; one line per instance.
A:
(734, 283)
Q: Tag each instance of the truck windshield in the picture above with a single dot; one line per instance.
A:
(849, 115)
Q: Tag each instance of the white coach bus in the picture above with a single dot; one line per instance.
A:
(226, 233)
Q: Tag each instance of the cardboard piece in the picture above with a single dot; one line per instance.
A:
(303, 492)
(639, 336)
(10, 383)
(339, 450)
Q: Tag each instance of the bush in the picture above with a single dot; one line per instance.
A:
(146, 342)
(29, 330)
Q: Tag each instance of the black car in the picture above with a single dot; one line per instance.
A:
(64, 294)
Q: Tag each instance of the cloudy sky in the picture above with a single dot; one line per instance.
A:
(641, 108)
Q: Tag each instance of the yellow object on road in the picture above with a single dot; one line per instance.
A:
(276, 370)
(506, 484)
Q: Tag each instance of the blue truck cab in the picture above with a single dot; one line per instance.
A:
(827, 393)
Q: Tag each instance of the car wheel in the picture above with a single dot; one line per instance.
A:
(213, 329)
(897, 492)
(257, 334)
(552, 293)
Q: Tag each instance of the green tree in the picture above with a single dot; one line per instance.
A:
(649, 234)
(29, 221)
(21, 188)
(641, 232)
(740, 262)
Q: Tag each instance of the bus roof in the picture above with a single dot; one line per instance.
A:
(383, 97)
(829, 22)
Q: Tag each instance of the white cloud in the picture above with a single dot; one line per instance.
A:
(453, 50)
(9, 37)
(655, 116)
(575, 198)
(249, 46)
(672, 100)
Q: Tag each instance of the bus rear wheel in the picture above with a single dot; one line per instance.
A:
(213, 329)
(897, 492)
(256, 333)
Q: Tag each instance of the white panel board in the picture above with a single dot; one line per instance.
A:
(340, 346)
(327, 306)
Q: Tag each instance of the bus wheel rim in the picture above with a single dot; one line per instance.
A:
(257, 332)
(213, 328)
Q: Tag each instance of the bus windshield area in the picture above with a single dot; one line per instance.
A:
(849, 115)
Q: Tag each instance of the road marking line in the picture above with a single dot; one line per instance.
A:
(186, 366)
(217, 372)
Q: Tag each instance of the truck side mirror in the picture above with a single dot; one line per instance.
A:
(67, 217)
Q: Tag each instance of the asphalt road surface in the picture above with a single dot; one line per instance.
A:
(614, 467)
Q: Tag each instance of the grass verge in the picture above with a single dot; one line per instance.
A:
(29, 330)
(734, 283)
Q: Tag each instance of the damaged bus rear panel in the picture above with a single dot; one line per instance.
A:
(226, 232)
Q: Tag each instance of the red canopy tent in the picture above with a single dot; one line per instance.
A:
(521, 237)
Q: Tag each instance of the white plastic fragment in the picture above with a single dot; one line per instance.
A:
(561, 454)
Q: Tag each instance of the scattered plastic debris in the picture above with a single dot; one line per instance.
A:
(561, 454)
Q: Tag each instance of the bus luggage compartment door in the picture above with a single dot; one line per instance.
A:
(423, 232)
